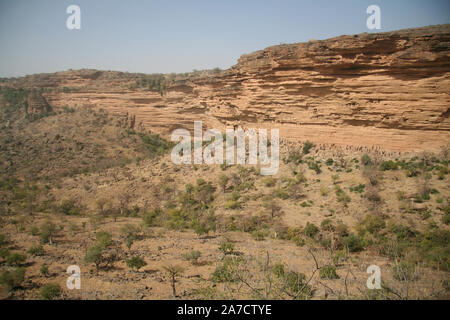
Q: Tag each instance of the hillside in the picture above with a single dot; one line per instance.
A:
(86, 177)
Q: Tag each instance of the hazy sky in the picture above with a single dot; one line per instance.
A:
(179, 36)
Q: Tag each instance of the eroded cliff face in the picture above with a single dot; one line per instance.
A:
(387, 90)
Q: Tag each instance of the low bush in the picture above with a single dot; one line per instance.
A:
(353, 243)
(36, 250)
(192, 256)
(365, 160)
(50, 291)
(310, 230)
(389, 165)
(226, 247)
(307, 147)
(328, 272)
(136, 263)
(12, 279)
(15, 259)
(153, 218)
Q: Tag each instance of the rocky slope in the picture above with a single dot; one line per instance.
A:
(386, 91)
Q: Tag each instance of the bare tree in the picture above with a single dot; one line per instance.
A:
(173, 271)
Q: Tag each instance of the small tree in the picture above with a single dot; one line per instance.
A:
(103, 206)
(136, 263)
(173, 271)
(12, 279)
(204, 224)
(94, 255)
(124, 200)
(48, 230)
(271, 205)
(104, 239)
(15, 259)
(130, 231)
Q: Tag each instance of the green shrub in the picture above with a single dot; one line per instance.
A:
(269, 181)
(3, 240)
(104, 239)
(388, 165)
(94, 255)
(50, 291)
(12, 279)
(226, 272)
(296, 286)
(34, 231)
(294, 156)
(226, 247)
(328, 272)
(223, 181)
(446, 218)
(442, 172)
(154, 144)
(136, 263)
(299, 241)
(342, 196)
(307, 147)
(359, 188)
(44, 270)
(177, 219)
(371, 224)
(327, 225)
(232, 205)
(4, 252)
(152, 218)
(365, 160)
(278, 270)
(48, 230)
(70, 207)
(192, 256)
(340, 257)
(310, 230)
(435, 248)
(15, 259)
(258, 235)
(36, 250)
(314, 166)
(353, 243)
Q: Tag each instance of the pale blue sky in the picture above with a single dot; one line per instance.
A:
(179, 36)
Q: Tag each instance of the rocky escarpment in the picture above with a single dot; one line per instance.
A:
(36, 105)
(385, 90)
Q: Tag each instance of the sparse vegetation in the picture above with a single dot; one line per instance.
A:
(81, 182)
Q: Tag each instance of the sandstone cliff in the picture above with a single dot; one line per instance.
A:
(386, 90)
